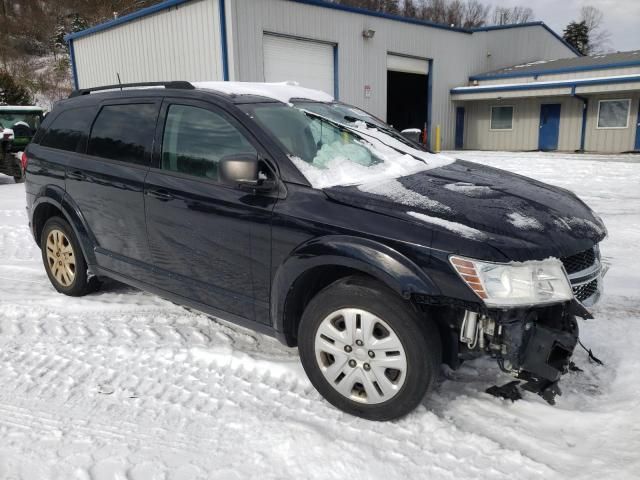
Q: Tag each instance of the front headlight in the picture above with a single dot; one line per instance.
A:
(515, 284)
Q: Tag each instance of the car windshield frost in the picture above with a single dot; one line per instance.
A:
(331, 146)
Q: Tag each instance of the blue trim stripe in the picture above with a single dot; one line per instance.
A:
(336, 77)
(126, 18)
(544, 86)
(74, 70)
(223, 38)
(429, 102)
(553, 71)
(528, 24)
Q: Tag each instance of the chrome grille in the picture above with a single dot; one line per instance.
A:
(584, 271)
(585, 291)
(579, 261)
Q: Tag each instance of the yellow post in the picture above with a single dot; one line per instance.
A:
(437, 144)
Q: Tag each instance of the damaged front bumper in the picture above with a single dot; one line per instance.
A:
(533, 344)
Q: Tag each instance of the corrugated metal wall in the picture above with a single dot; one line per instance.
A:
(181, 43)
(526, 125)
(184, 42)
(611, 140)
(363, 62)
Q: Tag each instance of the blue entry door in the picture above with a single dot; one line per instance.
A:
(549, 126)
(637, 146)
(459, 128)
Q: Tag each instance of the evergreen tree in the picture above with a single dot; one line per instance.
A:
(12, 93)
(577, 35)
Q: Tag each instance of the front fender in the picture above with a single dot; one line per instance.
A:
(57, 197)
(368, 256)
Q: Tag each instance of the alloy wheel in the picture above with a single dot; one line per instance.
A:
(61, 257)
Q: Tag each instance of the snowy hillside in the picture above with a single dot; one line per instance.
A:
(124, 385)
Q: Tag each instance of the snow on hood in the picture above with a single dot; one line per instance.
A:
(282, 92)
(518, 217)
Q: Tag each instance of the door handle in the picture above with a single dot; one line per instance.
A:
(76, 175)
(161, 195)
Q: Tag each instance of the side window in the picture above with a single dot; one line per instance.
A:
(196, 139)
(124, 132)
(501, 118)
(69, 130)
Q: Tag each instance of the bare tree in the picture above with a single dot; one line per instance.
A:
(476, 14)
(599, 37)
(512, 15)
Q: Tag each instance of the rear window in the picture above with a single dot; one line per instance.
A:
(124, 132)
(70, 130)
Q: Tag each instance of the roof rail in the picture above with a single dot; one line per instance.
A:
(178, 85)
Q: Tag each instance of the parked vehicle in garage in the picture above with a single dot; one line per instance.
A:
(279, 209)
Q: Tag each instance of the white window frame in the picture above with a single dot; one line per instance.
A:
(628, 100)
(513, 114)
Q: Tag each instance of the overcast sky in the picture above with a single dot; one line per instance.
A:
(621, 17)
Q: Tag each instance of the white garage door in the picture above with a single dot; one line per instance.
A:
(306, 62)
(398, 63)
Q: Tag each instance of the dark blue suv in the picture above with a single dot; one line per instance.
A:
(277, 208)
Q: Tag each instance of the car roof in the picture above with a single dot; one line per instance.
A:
(232, 92)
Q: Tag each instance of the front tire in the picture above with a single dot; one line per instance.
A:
(367, 351)
(63, 259)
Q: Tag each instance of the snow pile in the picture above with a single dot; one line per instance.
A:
(282, 92)
(455, 227)
(523, 222)
(395, 191)
(469, 189)
(8, 133)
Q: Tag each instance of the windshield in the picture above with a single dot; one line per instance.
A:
(14, 119)
(331, 150)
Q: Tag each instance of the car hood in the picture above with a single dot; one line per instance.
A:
(521, 217)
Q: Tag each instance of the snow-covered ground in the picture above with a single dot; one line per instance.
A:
(124, 385)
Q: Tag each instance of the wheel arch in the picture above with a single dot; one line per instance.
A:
(53, 201)
(319, 262)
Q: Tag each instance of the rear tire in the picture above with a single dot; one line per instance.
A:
(63, 259)
(367, 351)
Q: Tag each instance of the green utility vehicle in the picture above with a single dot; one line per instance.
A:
(18, 124)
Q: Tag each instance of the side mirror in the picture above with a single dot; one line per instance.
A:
(412, 134)
(243, 170)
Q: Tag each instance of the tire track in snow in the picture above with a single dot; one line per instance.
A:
(184, 386)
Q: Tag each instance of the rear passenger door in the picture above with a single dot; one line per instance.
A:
(107, 182)
(211, 240)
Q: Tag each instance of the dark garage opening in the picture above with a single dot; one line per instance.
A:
(406, 100)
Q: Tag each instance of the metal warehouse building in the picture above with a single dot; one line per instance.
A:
(402, 70)
(584, 103)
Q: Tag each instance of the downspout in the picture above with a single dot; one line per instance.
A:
(585, 107)
(223, 40)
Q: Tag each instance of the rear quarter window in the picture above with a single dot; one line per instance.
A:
(124, 132)
(69, 130)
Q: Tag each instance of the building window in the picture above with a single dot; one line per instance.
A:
(613, 113)
(502, 118)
